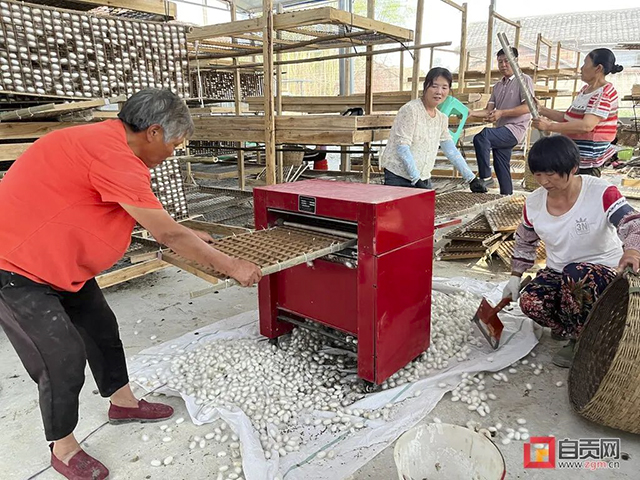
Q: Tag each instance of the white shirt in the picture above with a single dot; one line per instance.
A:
(583, 234)
(414, 127)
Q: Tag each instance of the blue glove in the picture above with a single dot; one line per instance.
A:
(454, 156)
(404, 152)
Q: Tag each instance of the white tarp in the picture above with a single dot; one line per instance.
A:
(352, 450)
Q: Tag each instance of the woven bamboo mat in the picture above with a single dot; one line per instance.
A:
(505, 253)
(461, 255)
(456, 203)
(272, 250)
(462, 235)
(506, 216)
(479, 224)
(462, 246)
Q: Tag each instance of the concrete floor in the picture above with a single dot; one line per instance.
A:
(162, 302)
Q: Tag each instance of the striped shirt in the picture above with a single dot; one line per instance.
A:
(595, 146)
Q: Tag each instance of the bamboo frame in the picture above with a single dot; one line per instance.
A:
(302, 18)
(416, 53)
(155, 7)
(279, 155)
(238, 108)
(269, 107)
(368, 97)
(493, 15)
(269, 133)
(463, 9)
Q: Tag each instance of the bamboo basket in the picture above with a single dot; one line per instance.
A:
(604, 381)
(292, 158)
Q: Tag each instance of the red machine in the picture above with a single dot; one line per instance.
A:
(379, 292)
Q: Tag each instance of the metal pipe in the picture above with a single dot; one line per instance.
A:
(533, 108)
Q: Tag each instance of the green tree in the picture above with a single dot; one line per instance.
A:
(395, 12)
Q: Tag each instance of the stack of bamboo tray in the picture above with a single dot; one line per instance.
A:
(490, 232)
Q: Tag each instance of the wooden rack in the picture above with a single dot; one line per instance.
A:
(72, 54)
(271, 36)
(314, 29)
(296, 129)
(139, 9)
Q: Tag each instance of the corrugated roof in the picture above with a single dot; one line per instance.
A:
(581, 30)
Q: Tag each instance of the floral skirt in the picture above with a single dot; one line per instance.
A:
(562, 301)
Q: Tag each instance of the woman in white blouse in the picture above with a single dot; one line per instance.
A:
(418, 131)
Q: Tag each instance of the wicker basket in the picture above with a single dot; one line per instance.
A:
(292, 156)
(604, 381)
(530, 183)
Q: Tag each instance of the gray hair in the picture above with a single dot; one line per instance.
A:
(158, 107)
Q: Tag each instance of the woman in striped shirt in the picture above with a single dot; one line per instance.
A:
(591, 120)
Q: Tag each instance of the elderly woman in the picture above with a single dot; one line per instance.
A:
(418, 131)
(592, 119)
(69, 205)
(589, 230)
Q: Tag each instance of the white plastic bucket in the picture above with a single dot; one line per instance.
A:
(449, 452)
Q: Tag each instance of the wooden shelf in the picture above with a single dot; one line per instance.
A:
(382, 102)
(313, 29)
(154, 9)
(295, 129)
(55, 110)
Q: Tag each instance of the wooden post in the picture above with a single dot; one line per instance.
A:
(237, 87)
(537, 58)
(279, 155)
(415, 82)
(555, 78)
(368, 98)
(269, 107)
(463, 49)
(431, 58)
(489, 60)
(516, 43)
(575, 81)
(401, 86)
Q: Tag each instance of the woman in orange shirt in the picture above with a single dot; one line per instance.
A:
(69, 206)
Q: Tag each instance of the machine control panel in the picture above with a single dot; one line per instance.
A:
(307, 204)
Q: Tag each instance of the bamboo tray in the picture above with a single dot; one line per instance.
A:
(506, 216)
(273, 250)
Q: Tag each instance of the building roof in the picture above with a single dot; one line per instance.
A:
(581, 30)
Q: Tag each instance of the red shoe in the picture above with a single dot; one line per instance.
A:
(81, 467)
(145, 413)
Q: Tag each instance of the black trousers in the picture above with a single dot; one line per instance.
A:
(500, 141)
(394, 180)
(54, 334)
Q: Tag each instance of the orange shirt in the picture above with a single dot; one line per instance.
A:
(60, 219)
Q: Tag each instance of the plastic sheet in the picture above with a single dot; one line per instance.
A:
(352, 450)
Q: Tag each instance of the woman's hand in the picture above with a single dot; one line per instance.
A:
(246, 273)
(630, 258)
(204, 236)
(542, 124)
